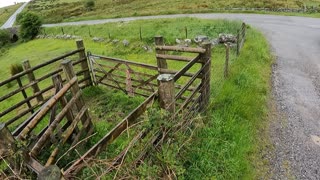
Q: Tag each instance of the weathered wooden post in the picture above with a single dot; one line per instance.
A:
(226, 66)
(238, 43)
(24, 94)
(8, 149)
(84, 64)
(93, 74)
(205, 82)
(162, 63)
(31, 77)
(166, 92)
(69, 72)
(140, 33)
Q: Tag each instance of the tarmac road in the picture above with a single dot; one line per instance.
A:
(295, 133)
(9, 23)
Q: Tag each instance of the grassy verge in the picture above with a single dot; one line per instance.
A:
(6, 12)
(226, 143)
(70, 10)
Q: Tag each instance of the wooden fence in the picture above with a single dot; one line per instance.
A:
(183, 91)
(37, 88)
(128, 76)
(241, 36)
(67, 119)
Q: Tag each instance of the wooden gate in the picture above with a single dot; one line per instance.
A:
(67, 123)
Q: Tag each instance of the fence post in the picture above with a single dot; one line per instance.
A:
(24, 94)
(226, 66)
(84, 64)
(8, 148)
(166, 92)
(94, 80)
(205, 82)
(140, 33)
(69, 72)
(31, 77)
(162, 63)
(238, 43)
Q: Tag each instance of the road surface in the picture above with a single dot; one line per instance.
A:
(9, 23)
(295, 41)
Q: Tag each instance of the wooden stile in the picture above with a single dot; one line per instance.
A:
(68, 70)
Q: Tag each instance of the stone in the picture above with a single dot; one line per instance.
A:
(115, 41)
(97, 39)
(223, 38)
(125, 42)
(200, 38)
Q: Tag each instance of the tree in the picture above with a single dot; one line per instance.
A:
(30, 24)
(90, 5)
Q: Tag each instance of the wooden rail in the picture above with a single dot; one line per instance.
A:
(124, 75)
(112, 135)
(39, 96)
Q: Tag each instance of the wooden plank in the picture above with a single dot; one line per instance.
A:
(44, 111)
(174, 57)
(189, 83)
(37, 147)
(168, 71)
(12, 120)
(70, 74)
(147, 66)
(31, 77)
(113, 134)
(186, 68)
(180, 49)
(39, 66)
(112, 86)
(13, 107)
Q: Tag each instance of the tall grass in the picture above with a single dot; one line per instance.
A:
(70, 10)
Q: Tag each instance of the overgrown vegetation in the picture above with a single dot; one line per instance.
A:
(223, 144)
(30, 24)
(4, 37)
(71, 10)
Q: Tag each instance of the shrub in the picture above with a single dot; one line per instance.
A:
(90, 5)
(30, 25)
(4, 37)
(15, 69)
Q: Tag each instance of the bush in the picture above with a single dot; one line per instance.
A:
(90, 5)
(4, 37)
(30, 25)
(15, 69)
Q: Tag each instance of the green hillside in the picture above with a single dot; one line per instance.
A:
(72, 10)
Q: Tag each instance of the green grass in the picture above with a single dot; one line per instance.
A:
(6, 12)
(70, 10)
(226, 144)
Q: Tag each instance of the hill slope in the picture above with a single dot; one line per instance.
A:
(6, 12)
(72, 10)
